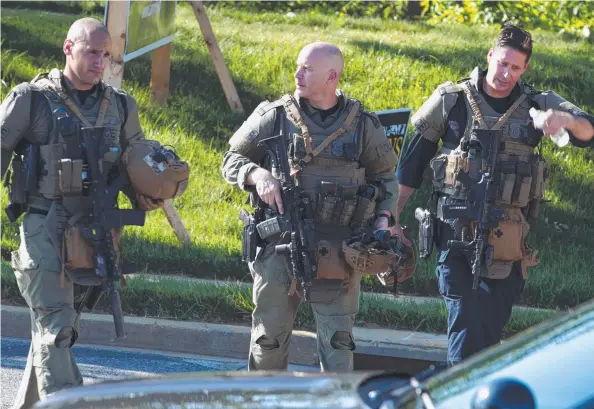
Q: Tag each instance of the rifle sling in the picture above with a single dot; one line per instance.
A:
(479, 116)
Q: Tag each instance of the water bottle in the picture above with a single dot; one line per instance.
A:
(561, 138)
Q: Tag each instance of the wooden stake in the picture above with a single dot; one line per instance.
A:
(160, 66)
(117, 18)
(176, 223)
(217, 57)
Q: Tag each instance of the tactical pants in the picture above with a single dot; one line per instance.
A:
(476, 318)
(274, 314)
(54, 321)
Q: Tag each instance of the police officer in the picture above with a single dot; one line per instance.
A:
(44, 113)
(494, 99)
(356, 155)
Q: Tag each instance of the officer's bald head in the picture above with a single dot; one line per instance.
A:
(328, 53)
(319, 67)
(85, 28)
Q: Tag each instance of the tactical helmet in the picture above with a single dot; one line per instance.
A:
(155, 171)
(380, 254)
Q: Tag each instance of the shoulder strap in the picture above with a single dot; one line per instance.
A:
(479, 116)
(267, 106)
(68, 102)
(450, 89)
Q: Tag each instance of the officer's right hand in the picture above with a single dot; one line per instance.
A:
(397, 230)
(267, 187)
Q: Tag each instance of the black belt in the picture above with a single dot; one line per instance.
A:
(34, 210)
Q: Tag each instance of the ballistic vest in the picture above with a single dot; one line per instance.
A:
(62, 169)
(520, 172)
(325, 163)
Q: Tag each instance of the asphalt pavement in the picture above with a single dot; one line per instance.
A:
(102, 363)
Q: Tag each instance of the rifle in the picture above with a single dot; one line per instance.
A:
(486, 144)
(296, 224)
(104, 189)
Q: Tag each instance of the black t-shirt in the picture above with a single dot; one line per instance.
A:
(327, 112)
(82, 95)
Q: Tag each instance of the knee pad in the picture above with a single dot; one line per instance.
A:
(342, 340)
(267, 342)
(66, 337)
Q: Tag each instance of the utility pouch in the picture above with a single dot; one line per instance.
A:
(507, 180)
(249, 239)
(70, 176)
(78, 251)
(50, 158)
(348, 202)
(507, 238)
(328, 199)
(523, 184)
(367, 196)
(426, 232)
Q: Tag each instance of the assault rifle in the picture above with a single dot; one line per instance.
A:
(483, 148)
(105, 179)
(296, 224)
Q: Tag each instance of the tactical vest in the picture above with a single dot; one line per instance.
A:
(328, 169)
(520, 176)
(520, 172)
(62, 169)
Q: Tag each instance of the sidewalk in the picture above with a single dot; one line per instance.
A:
(231, 341)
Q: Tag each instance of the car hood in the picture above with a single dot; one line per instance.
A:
(227, 390)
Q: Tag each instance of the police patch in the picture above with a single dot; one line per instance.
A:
(337, 148)
(252, 135)
(384, 149)
(515, 131)
(421, 125)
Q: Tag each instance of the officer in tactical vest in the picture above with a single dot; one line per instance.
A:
(45, 114)
(493, 102)
(337, 151)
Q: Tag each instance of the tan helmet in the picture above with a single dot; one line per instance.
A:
(155, 171)
(380, 254)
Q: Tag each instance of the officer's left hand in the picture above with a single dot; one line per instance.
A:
(555, 120)
(147, 204)
(381, 223)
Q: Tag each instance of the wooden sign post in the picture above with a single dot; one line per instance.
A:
(217, 57)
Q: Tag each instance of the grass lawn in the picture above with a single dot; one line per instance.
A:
(389, 64)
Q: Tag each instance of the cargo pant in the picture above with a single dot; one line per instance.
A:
(54, 321)
(476, 318)
(275, 311)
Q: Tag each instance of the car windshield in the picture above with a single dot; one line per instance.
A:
(555, 360)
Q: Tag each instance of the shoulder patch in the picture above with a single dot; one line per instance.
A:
(267, 106)
(376, 122)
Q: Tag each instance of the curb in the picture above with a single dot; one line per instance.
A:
(230, 341)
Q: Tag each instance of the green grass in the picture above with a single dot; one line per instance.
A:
(167, 297)
(389, 64)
